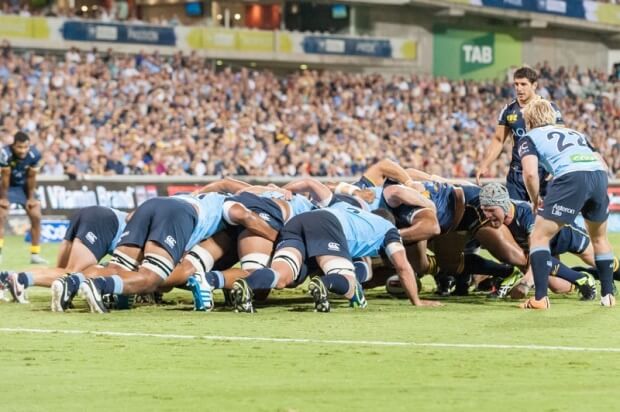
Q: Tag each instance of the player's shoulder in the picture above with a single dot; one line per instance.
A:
(34, 154)
(6, 155)
(510, 105)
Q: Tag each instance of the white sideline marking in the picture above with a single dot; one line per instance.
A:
(313, 341)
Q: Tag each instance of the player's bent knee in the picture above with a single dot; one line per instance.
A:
(339, 266)
(124, 261)
(289, 260)
(159, 265)
(201, 259)
(254, 261)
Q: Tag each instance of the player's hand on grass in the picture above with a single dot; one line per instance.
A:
(429, 303)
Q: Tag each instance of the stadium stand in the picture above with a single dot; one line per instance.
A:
(100, 113)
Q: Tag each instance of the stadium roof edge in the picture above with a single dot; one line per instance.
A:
(504, 14)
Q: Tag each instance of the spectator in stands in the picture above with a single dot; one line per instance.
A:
(118, 114)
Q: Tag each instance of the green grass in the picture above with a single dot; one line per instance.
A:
(88, 372)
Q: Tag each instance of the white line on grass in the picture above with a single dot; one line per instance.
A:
(313, 341)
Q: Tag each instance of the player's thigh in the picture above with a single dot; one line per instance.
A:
(544, 230)
(64, 251)
(254, 251)
(80, 257)
(500, 243)
(448, 250)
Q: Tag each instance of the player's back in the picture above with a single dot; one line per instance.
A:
(365, 232)
(210, 221)
(561, 150)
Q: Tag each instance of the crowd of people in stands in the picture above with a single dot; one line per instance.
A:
(101, 113)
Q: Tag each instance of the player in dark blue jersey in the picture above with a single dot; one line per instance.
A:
(19, 163)
(511, 123)
(519, 218)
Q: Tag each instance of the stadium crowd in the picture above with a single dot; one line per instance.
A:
(100, 113)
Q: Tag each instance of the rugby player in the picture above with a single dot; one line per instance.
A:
(519, 218)
(579, 184)
(160, 231)
(93, 233)
(511, 123)
(19, 164)
(329, 238)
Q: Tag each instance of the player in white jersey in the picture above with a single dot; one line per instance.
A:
(579, 185)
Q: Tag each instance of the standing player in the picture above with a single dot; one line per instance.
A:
(19, 163)
(579, 184)
(511, 122)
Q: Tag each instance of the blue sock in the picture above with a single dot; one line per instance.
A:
(74, 281)
(25, 278)
(106, 285)
(263, 279)
(215, 278)
(560, 270)
(477, 265)
(336, 283)
(362, 271)
(540, 259)
(605, 267)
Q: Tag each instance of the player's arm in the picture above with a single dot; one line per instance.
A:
(401, 195)
(397, 255)
(31, 183)
(529, 164)
(424, 227)
(259, 189)
(318, 191)
(387, 169)
(497, 144)
(226, 185)
(240, 215)
(417, 174)
(6, 180)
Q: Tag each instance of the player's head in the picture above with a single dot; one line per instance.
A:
(538, 113)
(21, 145)
(495, 203)
(386, 214)
(525, 81)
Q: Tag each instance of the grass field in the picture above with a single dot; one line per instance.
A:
(471, 354)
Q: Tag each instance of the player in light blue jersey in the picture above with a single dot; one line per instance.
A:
(158, 234)
(579, 185)
(93, 233)
(319, 237)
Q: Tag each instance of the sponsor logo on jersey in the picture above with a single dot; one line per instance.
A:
(333, 246)
(583, 158)
(264, 216)
(170, 241)
(511, 118)
(91, 237)
(559, 210)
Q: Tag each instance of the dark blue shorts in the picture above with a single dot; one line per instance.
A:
(571, 239)
(96, 227)
(266, 208)
(516, 185)
(575, 192)
(404, 214)
(167, 221)
(316, 233)
(17, 196)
